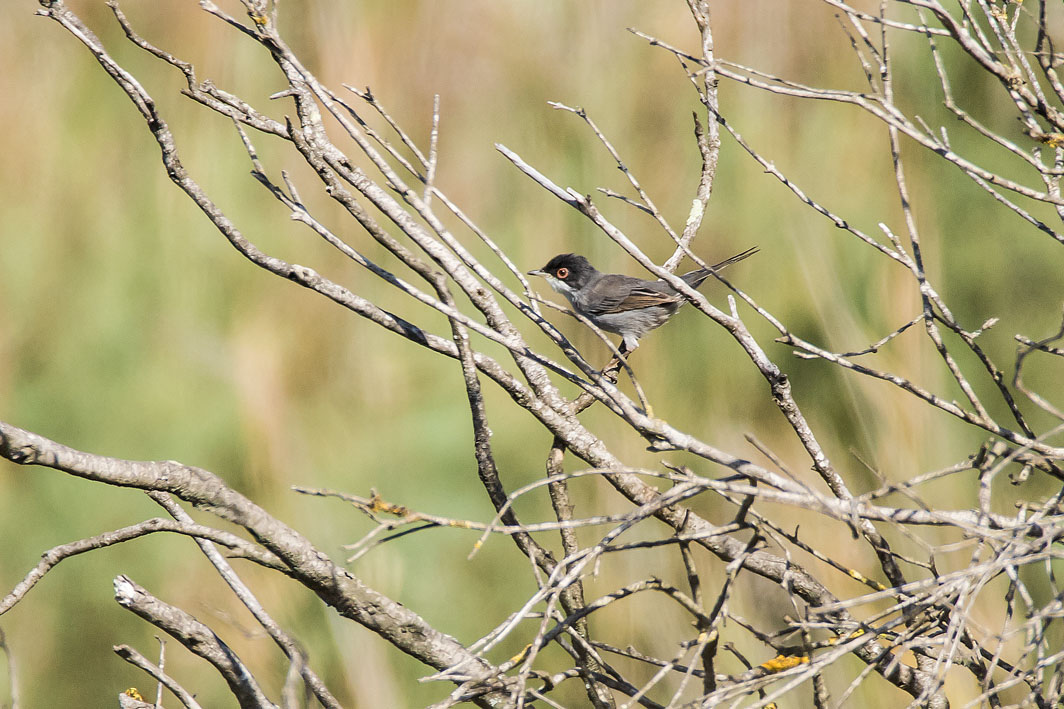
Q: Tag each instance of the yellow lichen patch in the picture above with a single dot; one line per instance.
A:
(1053, 140)
(378, 504)
(858, 576)
(784, 662)
(521, 655)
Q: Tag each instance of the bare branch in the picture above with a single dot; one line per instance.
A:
(137, 660)
(195, 636)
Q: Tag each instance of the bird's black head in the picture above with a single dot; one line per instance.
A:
(571, 270)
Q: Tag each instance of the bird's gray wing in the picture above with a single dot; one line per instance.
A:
(616, 293)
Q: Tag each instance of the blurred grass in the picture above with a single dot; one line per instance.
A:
(129, 327)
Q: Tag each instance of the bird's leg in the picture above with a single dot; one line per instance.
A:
(621, 359)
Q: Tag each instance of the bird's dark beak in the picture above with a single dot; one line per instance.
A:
(537, 272)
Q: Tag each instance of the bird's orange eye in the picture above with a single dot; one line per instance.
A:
(563, 273)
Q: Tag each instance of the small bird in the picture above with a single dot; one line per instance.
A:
(627, 306)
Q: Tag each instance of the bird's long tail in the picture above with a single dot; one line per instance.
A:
(736, 258)
(695, 278)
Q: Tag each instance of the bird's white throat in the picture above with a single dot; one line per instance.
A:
(560, 287)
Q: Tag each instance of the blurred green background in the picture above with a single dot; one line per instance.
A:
(129, 327)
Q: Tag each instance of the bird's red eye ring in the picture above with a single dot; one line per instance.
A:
(563, 273)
